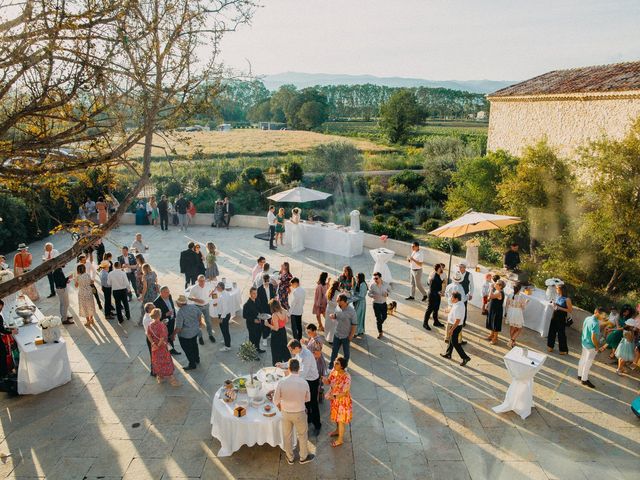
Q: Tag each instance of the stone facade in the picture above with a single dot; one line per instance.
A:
(567, 121)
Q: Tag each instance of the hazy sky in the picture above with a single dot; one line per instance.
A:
(436, 39)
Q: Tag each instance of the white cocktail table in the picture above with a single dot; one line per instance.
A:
(382, 256)
(522, 369)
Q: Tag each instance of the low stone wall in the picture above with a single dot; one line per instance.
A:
(370, 241)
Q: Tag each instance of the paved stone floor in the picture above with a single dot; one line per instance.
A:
(416, 416)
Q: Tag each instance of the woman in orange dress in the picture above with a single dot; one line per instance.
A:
(340, 396)
(101, 207)
(22, 264)
(161, 361)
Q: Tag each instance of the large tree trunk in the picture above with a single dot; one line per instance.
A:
(72, 253)
(615, 276)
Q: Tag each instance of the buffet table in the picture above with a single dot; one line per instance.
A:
(41, 367)
(214, 310)
(382, 256)
(537, 313)
(522, 366)
(329, 238)
(254, 428)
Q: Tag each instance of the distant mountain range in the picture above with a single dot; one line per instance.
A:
(302, 80)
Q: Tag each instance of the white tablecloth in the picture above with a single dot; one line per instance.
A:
(382, 256)
(42, 367)
(330, 238)
(519, 397)
(537, 313)
(234, 293)
(252, 429)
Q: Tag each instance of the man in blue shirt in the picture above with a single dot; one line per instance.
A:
(590, 347)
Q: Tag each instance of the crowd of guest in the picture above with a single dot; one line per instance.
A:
(276, 305)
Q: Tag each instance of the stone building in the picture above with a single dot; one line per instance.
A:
(567, 107)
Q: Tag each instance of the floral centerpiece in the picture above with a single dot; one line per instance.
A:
(50, 326)
(249, 354)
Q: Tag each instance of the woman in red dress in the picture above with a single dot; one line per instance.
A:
(22, 264)
(161, 361)
(340, 396)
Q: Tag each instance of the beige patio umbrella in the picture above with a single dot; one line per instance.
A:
(472, 222)
(299, 195)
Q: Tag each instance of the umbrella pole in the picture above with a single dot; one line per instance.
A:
(450, 256)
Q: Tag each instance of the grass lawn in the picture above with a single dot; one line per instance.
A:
(248, 142)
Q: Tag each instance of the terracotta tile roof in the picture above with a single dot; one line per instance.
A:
(600, 78)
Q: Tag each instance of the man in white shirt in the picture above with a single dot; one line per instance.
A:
(308, 371)
(266, 270)
(223, 302)
(200, 295)
(119, 283)
(138, 245)
(454, 327)
(416, 259)
(258, 268)
(271, 220)
(49, 253)
(296, 306)
(291, 395)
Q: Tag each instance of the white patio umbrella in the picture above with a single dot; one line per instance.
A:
(299, 195)
(472, 222)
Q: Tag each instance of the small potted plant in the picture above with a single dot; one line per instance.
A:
(249, 354)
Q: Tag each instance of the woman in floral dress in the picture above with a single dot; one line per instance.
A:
(150, 288)
(340, 396)
(86, 304)
(347, 280)
(211, 271)
(285, 285)
(161, 361)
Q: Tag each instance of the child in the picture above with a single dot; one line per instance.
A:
(212, 267)
(624, 352)
(486, 291)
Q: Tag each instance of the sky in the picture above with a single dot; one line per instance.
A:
(435, 39)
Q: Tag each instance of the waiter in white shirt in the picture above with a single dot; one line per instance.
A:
(200, 295)
(454, 327)
(49, 253)
(296, 306)
(258, 268)
(119, 283)
(416, 259)
(271, 220)
(223, 302)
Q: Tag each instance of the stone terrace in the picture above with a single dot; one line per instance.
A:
(415, 414)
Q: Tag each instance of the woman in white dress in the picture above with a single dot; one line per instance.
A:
(516, 302)
(332, 303)
(297, 242)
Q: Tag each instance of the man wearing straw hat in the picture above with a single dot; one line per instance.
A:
(49, 253)
(187, 329)
(106, 288)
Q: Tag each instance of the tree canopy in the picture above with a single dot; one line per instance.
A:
(399, 114)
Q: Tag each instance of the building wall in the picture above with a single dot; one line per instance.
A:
(566, 123)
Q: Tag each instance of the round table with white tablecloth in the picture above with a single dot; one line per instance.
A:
(41, 367)
(252, 429)
(382, 256)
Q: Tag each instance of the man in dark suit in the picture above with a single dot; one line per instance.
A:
(250, 314)
(266, 292)
(164, 302)
(189, 265)
(128, 263)
(163, 210)
(227, 212)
